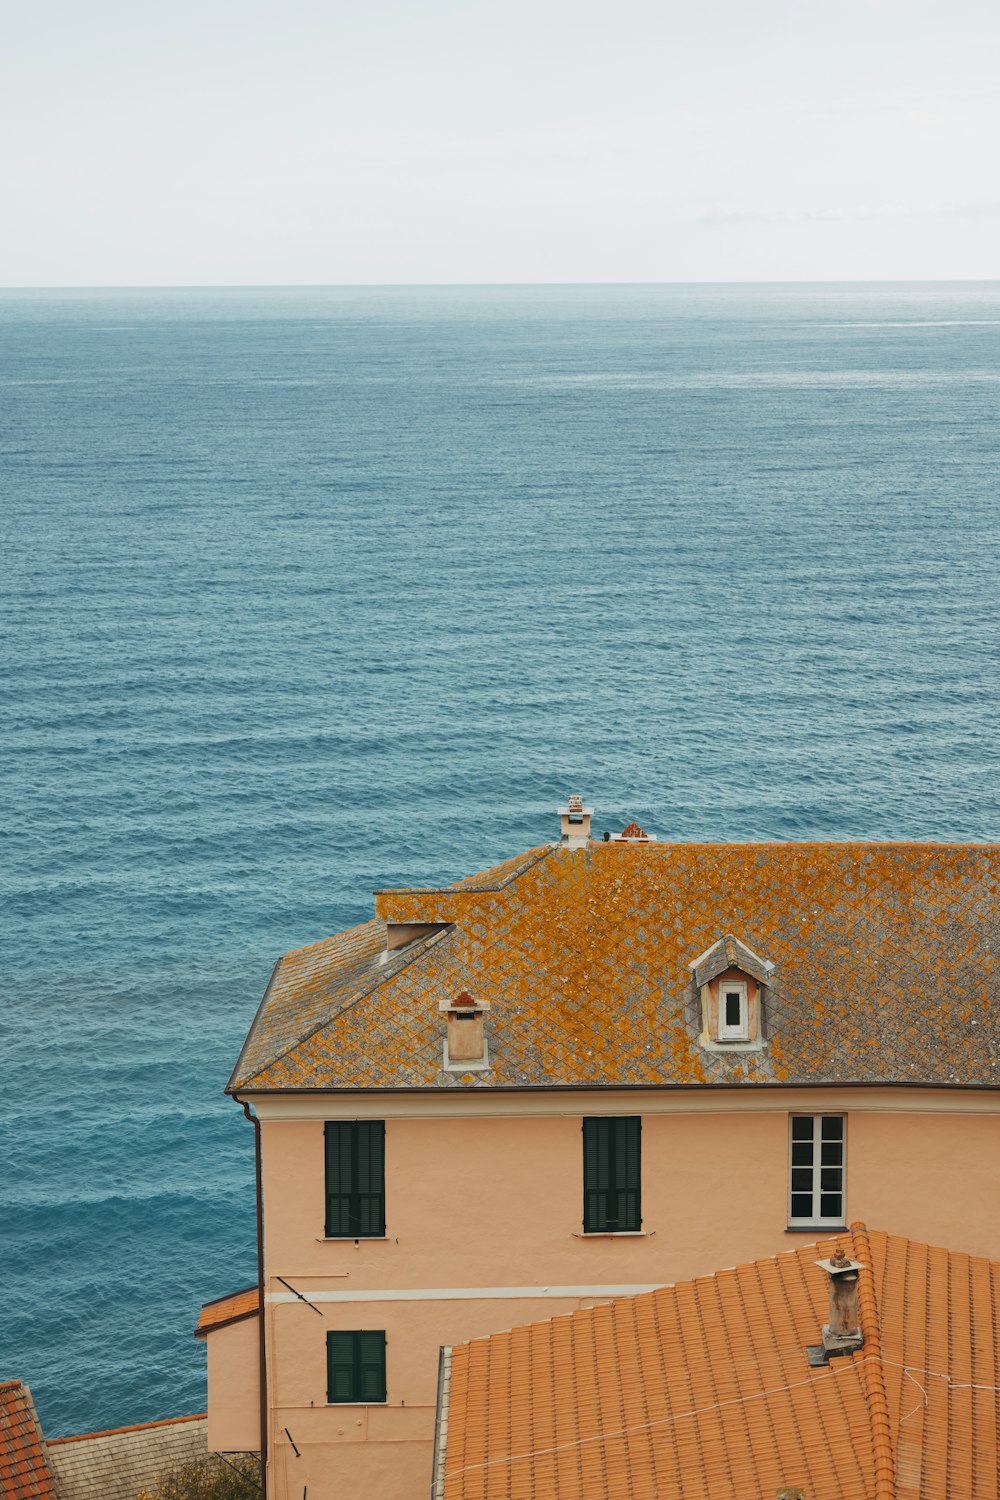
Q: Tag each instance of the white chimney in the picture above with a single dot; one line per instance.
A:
(575, 820)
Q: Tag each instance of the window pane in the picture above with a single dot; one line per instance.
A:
(732, 1010)
(802, 1180)
(802, 1153)
(832, 1153)
(833, 1127)
(802, 1127)
(802, 1205)
(829, 1179)
(830, 1206)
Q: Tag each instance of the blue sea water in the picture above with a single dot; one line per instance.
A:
(311, 591)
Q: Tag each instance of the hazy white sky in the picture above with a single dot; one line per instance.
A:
(530, 140)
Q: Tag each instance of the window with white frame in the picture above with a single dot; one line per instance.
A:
(816, 1169)
(734, 1011)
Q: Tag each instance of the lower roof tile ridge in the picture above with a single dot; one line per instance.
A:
(83, 1437)
(874, 1375)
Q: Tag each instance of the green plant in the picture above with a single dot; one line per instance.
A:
(209, 1478)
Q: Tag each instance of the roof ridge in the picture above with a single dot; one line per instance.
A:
(253, 1024)
(82, 1437)
(240, 1291)
(874, 1375)
(344, 932)
(520, 863)
(403, 958)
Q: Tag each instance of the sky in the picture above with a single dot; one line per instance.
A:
(206, 142)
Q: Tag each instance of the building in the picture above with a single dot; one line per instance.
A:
(718, 1387)
(24, 1470)
(604, 1066)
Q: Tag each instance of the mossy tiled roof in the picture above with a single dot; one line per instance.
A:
(703, 1389)
(884, 971)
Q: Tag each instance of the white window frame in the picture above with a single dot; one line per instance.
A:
(815, 1220)
(741, 1032)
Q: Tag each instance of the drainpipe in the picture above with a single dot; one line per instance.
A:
(260, 1292)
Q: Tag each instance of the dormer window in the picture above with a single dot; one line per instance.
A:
(732, 982)
(734, 1011)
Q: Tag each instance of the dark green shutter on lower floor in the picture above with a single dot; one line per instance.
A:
(612, 1175)
(355, 1366)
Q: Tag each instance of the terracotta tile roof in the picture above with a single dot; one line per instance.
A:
(703, 1389)
(884, 958)
(24, 1471)
(229, 1309)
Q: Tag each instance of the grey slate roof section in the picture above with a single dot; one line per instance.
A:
(117, 1465)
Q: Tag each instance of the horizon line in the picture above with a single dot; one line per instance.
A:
(261, 286)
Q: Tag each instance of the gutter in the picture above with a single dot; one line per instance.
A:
(262, 1339)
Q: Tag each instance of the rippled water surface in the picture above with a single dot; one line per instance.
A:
(311, 591)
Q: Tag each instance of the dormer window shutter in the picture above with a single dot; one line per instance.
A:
(355, 1179)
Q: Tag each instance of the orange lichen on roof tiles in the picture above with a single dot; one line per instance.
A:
(703, 1389)
(883, 954)
(229, 1309)
(24, 1472)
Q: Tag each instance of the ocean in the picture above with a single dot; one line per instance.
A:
(310, 591)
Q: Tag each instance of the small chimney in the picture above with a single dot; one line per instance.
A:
(575, 820)
(465, 1047)
(843, 1333)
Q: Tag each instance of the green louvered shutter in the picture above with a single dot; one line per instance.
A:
(355, 1178)
(340, 1367)
(371, 1366)
(612, 1171)
(355, 1367)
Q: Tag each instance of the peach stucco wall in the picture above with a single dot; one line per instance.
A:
(234, 1388)
(481, 1203)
